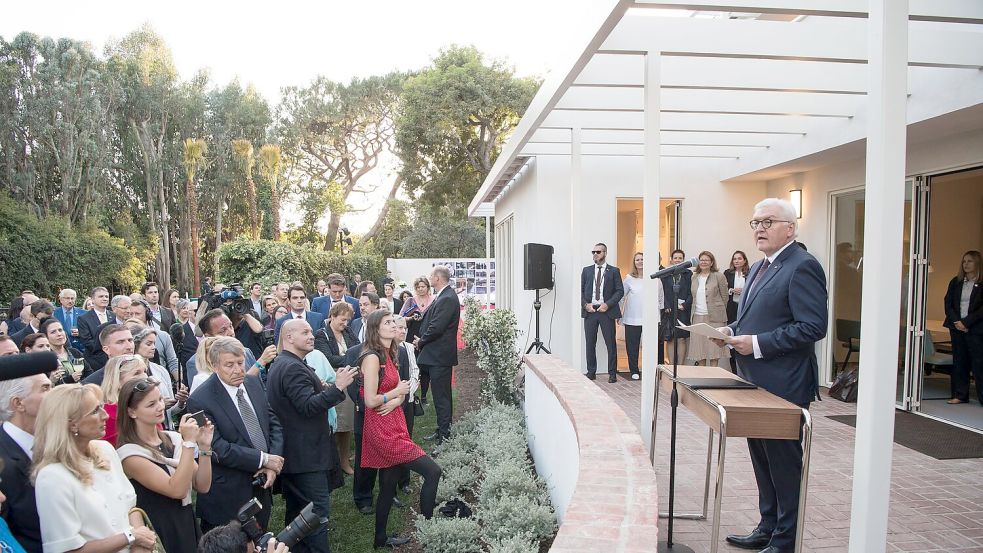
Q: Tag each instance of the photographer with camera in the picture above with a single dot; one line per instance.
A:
(231, 539)
(217, 323)
(248, 439)
(246, 322)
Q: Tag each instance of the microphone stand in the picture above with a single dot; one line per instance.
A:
(669, 546)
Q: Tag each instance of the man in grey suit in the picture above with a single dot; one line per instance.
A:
(782, 315)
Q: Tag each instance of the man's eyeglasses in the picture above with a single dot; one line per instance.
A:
(765, 223)
(597, 252)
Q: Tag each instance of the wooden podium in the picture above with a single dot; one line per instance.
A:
(736, 413)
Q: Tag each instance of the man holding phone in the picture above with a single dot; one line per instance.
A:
(248, 440)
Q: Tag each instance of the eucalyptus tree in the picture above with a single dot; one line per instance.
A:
(334, 135)
(454, 118)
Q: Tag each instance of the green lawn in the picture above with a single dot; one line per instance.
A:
(351, 531)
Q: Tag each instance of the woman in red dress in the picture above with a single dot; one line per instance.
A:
(386, 445)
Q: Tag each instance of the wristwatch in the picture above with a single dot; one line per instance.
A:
(130, 538)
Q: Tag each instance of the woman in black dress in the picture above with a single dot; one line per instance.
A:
(161, 464)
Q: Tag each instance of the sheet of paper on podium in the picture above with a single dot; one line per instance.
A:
(704, 329)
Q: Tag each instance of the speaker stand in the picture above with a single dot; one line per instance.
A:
(537, 344)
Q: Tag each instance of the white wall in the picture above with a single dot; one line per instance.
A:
(714, 217)
(552, 441)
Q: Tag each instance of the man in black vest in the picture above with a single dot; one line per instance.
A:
(20, 400)
(301, 402)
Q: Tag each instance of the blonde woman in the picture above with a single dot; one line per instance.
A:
(201, 357)
(84, 499)
(710, 295)
(119, 370)
(631, 308)
(413, 310)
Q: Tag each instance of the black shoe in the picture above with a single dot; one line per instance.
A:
(366, 509)
(392, 541)
(406, 489)
(757, 539)
(612, 378)
(432, 437)
(398, 503)
(591, 376)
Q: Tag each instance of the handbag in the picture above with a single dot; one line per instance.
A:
(846, 386)
(417, 407)
(158, 546)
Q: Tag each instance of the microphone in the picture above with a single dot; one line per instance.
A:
(27, 364)
(675, 269)
(177, 333)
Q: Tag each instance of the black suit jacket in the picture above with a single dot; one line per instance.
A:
(612, 290)
(301, 403)
(685, 280)
(19, 336)
(88, 326)
(974, 320)
(438, 330)
(22, 512)
(189, 346)
(166, 318)
(325, 342)
(235, 459)
(731, 304)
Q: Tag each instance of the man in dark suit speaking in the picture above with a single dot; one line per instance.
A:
(782, 314)
(248, 440)
(600, 291)
(437, 346)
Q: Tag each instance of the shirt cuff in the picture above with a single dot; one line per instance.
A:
(262, 459)
(757, 348)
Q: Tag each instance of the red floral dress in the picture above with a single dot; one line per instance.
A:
(385, 440)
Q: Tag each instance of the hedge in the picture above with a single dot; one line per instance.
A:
(48, 254)
(269, 262)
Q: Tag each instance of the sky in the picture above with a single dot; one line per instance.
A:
(289, 43)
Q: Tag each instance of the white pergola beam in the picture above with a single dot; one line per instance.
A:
(735, 101)
(728, 74)
(952, 11)
(685, 121)
(843, 41)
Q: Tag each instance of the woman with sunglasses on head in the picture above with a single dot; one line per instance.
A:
(162, 465)
(386, 443)
(119, 370)
(84, 499)
(144, 345)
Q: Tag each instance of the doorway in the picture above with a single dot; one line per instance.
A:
(630, 239)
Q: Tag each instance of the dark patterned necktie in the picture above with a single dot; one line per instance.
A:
(761, 273)
(597, 285)
(249, 419)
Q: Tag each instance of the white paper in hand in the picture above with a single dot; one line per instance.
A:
(703, 329)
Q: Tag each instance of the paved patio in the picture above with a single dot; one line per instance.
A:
(935, 505)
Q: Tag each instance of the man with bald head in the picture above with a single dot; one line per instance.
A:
(301, 402)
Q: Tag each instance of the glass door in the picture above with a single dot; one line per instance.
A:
(913, 272)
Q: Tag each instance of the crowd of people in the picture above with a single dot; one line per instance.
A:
(164, 417)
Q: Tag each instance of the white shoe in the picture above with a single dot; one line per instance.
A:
(635, 376)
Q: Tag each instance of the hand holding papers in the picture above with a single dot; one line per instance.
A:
(703, 329)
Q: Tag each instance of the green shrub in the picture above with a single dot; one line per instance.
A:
(515, 515)
(523, 543)
(492, 335)
(269, 262)
(448, 535)
(48, 254)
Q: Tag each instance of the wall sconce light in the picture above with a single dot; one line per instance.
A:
(795, 196)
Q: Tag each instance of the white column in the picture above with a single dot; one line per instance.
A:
(883, 229)
(650, 229)
(488, 257)
(577, 360)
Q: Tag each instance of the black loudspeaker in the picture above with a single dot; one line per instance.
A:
(538, 267)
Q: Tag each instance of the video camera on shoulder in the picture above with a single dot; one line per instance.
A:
(230, 300)
(298, 529)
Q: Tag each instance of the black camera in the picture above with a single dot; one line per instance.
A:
(298, 529)
(229, 300)
(268, 337)
(260, 480)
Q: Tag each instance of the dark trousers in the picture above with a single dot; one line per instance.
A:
(967, 356)
(302, 488)
(364, 480)
(424, 381)
(778, 469)
(440, 384)
(633, 343)
(592, 322)
(389, 477)
(404, 480)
